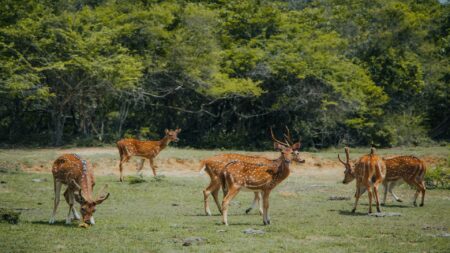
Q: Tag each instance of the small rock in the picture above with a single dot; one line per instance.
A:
(443, 235)
(39, 203)
(384, 214)
(338, 198)
(174, 204)
(193, 240)
(251, 231)
(2, 182)
(39, 180)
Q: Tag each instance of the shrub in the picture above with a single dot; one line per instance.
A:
(438, 177)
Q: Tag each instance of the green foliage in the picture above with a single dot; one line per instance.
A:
(335, 71)
(438, 178)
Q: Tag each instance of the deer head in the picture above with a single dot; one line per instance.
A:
(349, 173)
(172, 134)
(288, 148)
(87, 203)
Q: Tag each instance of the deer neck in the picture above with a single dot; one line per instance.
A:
(282, 168)
(86, 182)
(164, 142)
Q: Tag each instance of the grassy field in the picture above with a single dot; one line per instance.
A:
(158, 215)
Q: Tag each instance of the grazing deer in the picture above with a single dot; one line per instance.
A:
(214, 166)
(409, 169)
(369, 170)
(262, 178)
(146, 149)
(74, 172)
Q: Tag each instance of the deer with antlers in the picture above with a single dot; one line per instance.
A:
(145, 149)
(214, 166)
(240, 175)
(71, 170)
(369, 172)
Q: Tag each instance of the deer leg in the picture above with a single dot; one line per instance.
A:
(266, 218)
(57, 187)
(419, 189)
(139, 168)
(213, 187)
(216, 198)
(369, 192)
(357, 195)
(391, 191)
(123, 160)
(256, 201)
(386, 187)
(423, 193)
(69, 201)
(154, 167)
(377, 197)
(232, 192)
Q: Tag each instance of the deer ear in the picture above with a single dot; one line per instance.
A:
(178, 130)
(278, 146)
(166, 131)
(296, 146)
(79, 197)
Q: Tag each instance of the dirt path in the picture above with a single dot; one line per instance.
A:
(172, 161)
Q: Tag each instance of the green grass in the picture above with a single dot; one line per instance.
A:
(158, 214)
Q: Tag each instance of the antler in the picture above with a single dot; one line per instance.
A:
(277, 141)
(347, 154)
(288, 137)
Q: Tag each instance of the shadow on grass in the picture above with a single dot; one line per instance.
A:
(218, 214)
(396, 205)
(231, 224)
(57, 223)
(349, 213)
(202, 214)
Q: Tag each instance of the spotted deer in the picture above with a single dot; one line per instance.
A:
(407, 169)
(240, 175)
(214, 166)
(71, 170)
(369, 172)
(145, 149)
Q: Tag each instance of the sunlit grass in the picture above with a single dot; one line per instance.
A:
(156, 215)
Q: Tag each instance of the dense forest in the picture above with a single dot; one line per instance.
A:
(355, 72)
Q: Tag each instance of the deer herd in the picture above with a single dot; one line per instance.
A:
(232, 173)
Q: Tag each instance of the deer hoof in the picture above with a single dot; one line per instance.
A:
(247, 210)
(399, 200)
(421, 204)
(68, 221)
(414, 203)
(383, 204)
(353, 210)
(51, 221)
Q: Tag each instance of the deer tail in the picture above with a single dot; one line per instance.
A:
(202, 168)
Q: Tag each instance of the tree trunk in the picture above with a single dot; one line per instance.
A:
(58, 130)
